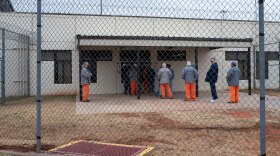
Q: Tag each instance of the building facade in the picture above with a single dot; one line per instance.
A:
(108, 42)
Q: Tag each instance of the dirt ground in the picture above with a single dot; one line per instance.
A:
(270, 92)
(196, 132)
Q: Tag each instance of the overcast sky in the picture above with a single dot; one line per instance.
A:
(209, 9)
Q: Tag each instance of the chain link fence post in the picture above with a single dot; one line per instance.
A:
(38, 128)
(254, 67)
(249, 71)
(196, 67)
(262, 79)
(3, 67)
(279, 65)
(28, 66)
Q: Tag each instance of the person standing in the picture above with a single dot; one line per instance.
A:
(212, 78)
(142, 82)
(190, 75)
(159, 92)
(233, 77)
(125, 78)
(172, 77)
(85, 81)
(151, 79)
(133, 77)
(164, 75)
(145, 82)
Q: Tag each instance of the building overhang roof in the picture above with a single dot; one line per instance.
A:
(162, 41)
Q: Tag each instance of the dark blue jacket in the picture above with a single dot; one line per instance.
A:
(212, 74)
(151, 74)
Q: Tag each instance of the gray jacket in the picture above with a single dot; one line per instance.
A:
(233, 76)
(85, 76)
(133, 74)
(189, 74)
(164, 75)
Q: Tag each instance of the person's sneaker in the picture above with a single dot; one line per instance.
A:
(212, 101)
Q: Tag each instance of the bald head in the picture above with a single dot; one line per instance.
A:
(163, 65)
(85, 64)
(213, 60)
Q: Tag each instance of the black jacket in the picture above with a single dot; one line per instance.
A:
(212, 74)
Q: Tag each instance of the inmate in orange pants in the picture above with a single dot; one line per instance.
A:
(85, 89)
(133, 87)
(234, 94)
(168, 90)
(190, 91)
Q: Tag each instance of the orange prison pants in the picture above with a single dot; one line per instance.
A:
(85, 89)
(133, 87)
(190, 91)
(234, 94)
(166, 87)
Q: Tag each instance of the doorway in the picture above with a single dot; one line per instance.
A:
(139, 58)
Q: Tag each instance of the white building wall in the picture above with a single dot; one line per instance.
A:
(273, 76)
(48, 85)
(59, 32)
(21, 23)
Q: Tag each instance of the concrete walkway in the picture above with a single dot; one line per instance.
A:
(120, 103)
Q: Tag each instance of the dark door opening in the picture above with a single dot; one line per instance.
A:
(139, 58)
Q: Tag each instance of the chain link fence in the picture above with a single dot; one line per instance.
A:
(15, 53)
(182, 77)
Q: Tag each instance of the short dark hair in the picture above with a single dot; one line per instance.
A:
(233, 63)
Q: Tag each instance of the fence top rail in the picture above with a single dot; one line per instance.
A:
(11, 35)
